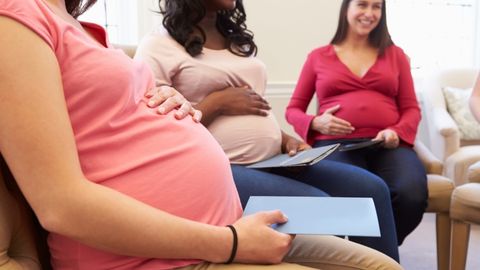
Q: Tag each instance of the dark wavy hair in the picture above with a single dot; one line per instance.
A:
(181, 18)
(78, 7)
(379, 37)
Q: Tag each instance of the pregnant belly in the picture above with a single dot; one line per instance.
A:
(247, 138)
(364, 109)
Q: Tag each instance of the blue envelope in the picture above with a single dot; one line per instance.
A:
(320, 215)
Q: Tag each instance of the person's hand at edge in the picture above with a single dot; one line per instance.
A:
(292, 145)
(328, 124)
(258, 242)
(232, 101)
(166, 99)
(390, 138)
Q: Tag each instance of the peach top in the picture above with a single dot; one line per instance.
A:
(123, 144)
(244, 138)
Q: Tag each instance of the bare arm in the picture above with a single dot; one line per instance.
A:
(37, 142)
(475, 100)
(232, 101)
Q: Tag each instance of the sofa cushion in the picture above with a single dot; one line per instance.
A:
(457, 105)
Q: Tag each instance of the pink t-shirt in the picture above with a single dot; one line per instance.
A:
(244, 138)
(123, 144)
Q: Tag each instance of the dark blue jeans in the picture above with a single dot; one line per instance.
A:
(404, 174)
(325, 177)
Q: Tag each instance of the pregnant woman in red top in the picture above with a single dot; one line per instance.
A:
(365, 91)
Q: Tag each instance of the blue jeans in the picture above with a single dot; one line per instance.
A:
(404, 174)
(334, 178)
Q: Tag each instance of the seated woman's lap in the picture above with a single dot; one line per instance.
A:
(404, 174)
(334, 178)
(319, 252)
(253, 182)
(406, 177)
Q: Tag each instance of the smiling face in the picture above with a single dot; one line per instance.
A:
(216, 5)
(363, 16)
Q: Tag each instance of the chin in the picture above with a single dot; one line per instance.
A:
(229, 4)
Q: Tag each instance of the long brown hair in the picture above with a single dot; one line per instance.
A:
(77, 7)
(379, 37)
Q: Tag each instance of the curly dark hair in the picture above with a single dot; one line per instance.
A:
(379, 38)
(78, 7)
(181, 18)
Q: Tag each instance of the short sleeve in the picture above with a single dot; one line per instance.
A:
(35, 15)
(162, 54)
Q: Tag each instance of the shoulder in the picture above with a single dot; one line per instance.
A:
(160, 42)
(321, 53)
(395, 51)
(33, 14)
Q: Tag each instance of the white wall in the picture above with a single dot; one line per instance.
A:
(147, 18)
(285, 31)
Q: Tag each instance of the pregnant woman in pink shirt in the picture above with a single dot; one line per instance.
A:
(117, 185)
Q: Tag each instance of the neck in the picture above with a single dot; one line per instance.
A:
(356, 42)
(58, 3)
(209, 21)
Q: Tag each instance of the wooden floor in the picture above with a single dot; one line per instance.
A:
(418, 252)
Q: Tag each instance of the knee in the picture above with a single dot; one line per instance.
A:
(375, 186)
(412, 195)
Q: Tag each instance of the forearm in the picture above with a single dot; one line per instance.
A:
(475, 106)
(122, 225)
(210, 108)
(285, 138)
(475, 100)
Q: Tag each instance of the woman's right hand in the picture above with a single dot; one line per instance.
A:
(329, 124)
(258, 242)
(166, 98)
(241, 101)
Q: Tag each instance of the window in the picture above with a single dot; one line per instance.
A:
(436, 33)
(119, 17)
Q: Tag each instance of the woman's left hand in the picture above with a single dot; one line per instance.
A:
(166, 98)
(389, 137)
(292, 145)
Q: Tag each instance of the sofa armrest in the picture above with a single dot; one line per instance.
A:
(444, 134)
(473, 174)
(128, 49)
(431, 163)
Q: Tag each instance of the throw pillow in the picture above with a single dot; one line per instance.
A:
(457, 106)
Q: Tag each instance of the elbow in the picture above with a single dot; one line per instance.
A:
(474, 107)
(51, 220)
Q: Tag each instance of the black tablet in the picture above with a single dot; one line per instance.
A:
(359, 145)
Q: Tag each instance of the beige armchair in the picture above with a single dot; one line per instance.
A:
(464, 210)
(439, 193)
(443, 132)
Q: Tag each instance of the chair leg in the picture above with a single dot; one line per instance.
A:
(460, 237)
(443, 224)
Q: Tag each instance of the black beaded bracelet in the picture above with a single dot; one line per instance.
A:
(234, 246)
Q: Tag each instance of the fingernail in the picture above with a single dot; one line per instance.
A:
(161, 110)
(151, 103)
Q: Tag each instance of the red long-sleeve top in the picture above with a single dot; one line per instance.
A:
(383, 98)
